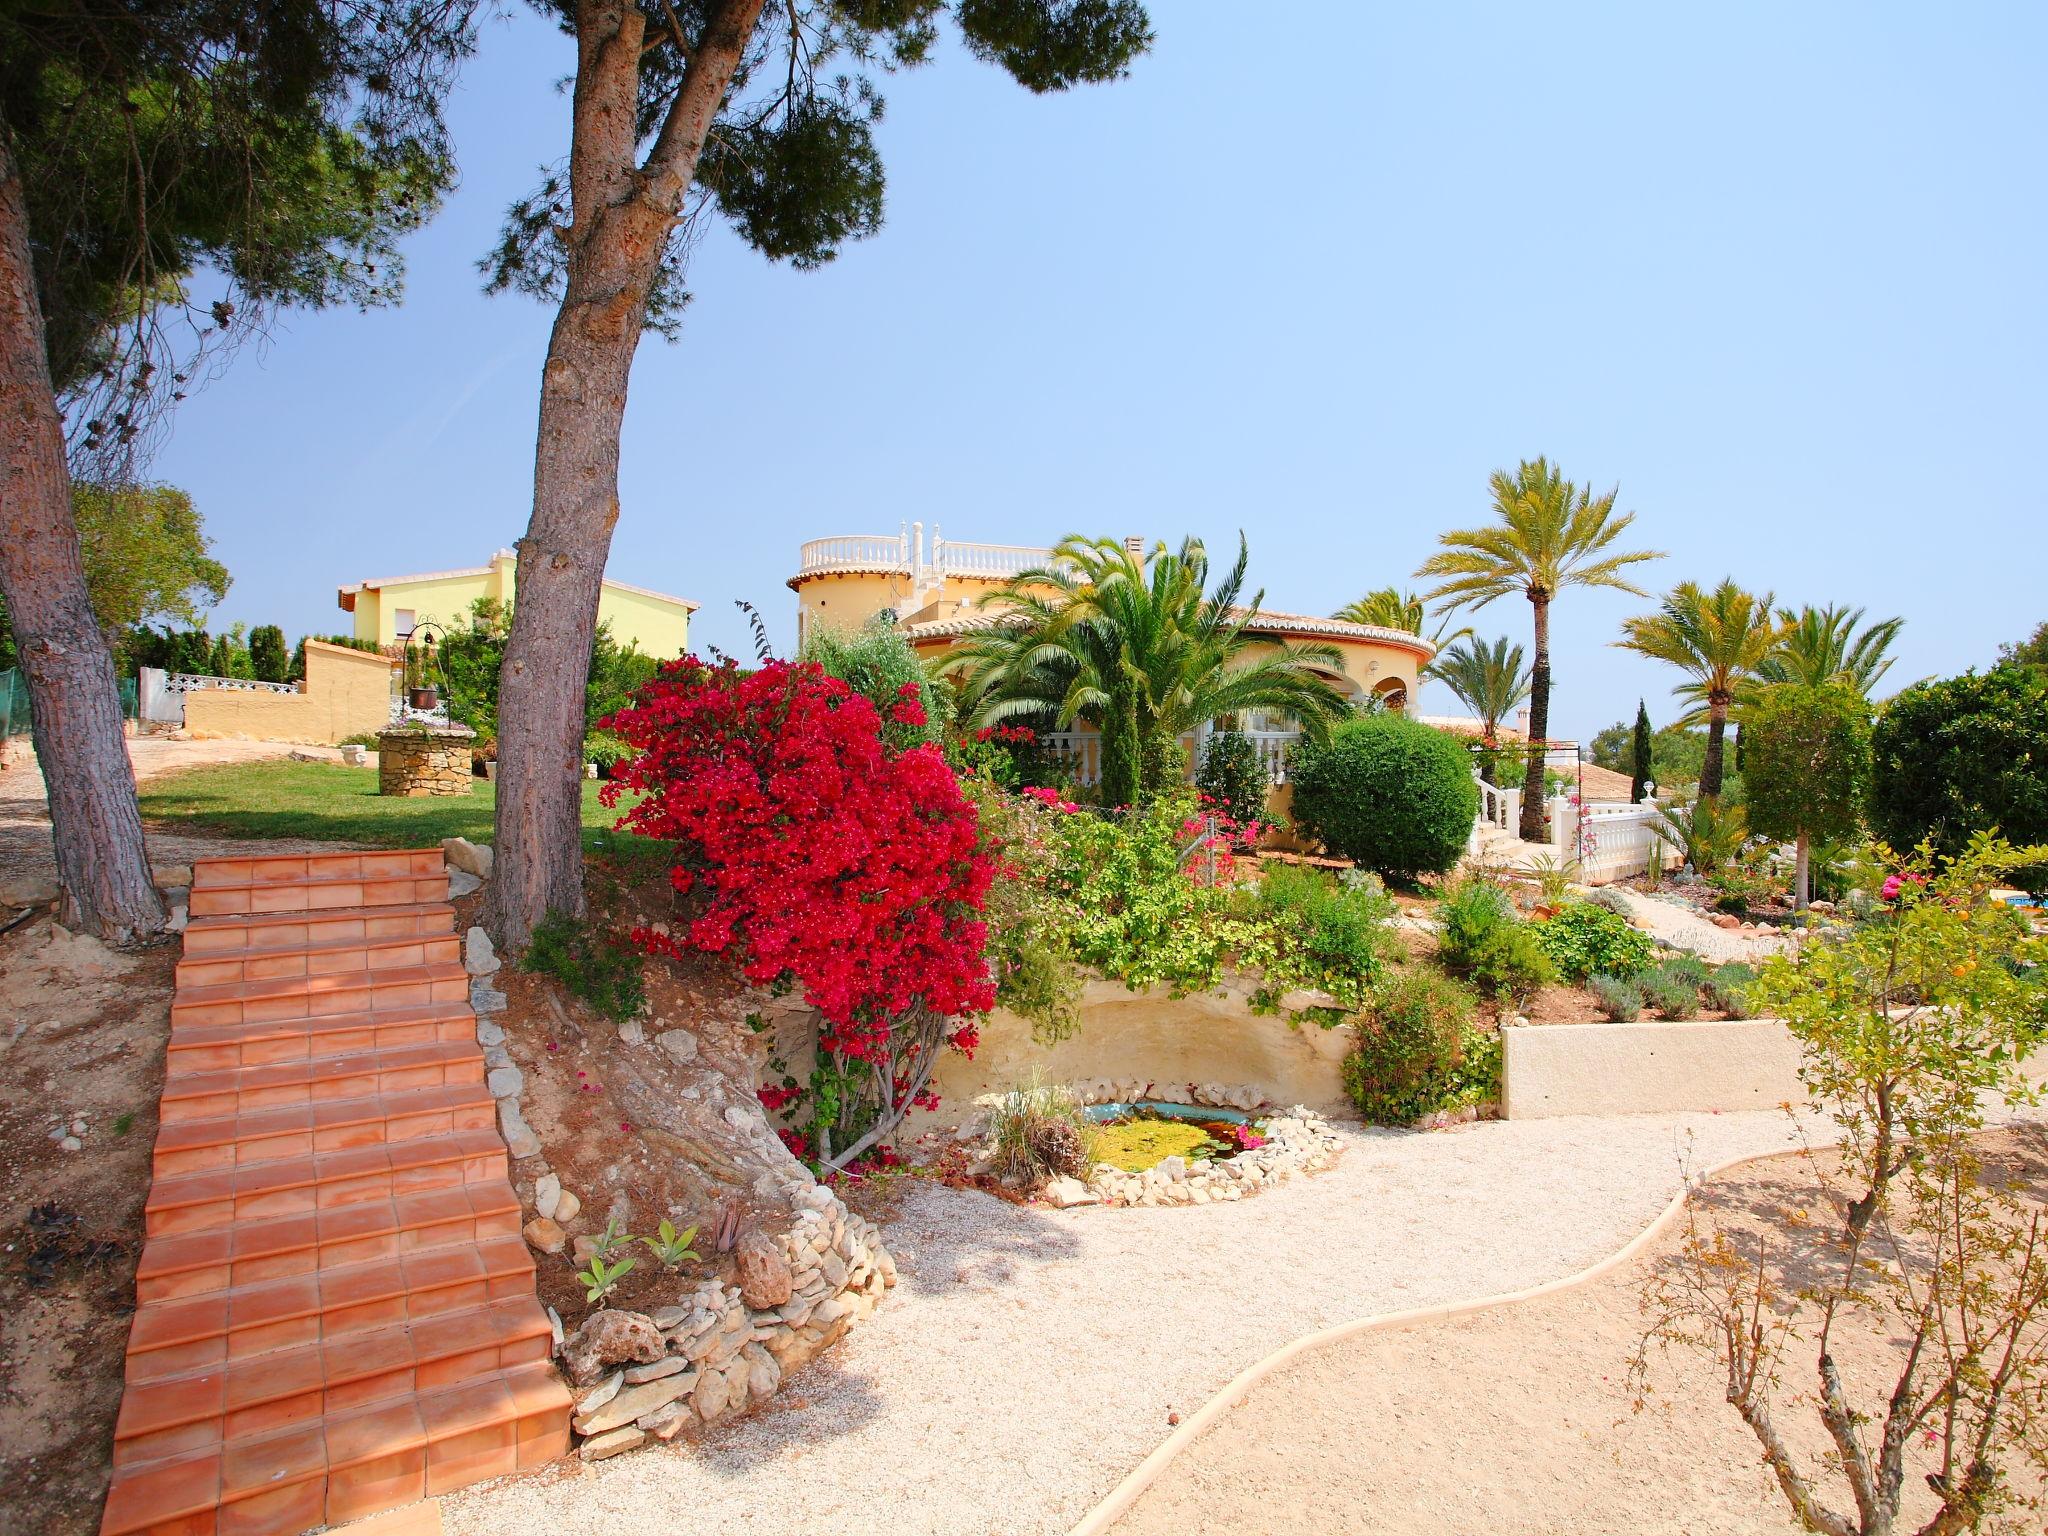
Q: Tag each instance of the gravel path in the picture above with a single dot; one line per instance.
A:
(1688, 930)
(1029, 1358)
(25, 806)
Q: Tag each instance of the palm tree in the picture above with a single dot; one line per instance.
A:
(1551, 534)
(1137, 647)
(1719, 639)
(1390, 608)
(1818, 646)
(1489, 680)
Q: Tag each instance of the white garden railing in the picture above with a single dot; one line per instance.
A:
(1081, 752)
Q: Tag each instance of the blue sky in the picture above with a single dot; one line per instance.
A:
(1773, 270)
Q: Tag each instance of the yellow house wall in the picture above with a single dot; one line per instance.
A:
(345, 693)
(661, 629)
(847, 601)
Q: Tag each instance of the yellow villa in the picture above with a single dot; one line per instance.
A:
(932, 592)
(388, 608)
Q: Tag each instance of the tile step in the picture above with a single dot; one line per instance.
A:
(196, 1263)
(219, 1047)
(238, 1141)
(357, 1463)
(314, 1080)
(285, 930)
(324, 895)
(297, 868)
(195, 1333)
(302, 997)
(172, 1415)
(327, 958)
(294, 1186)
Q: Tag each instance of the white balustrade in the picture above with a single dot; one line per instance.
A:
(194, 682)
(888, 551)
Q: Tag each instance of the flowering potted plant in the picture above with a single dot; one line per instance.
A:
(421, 691)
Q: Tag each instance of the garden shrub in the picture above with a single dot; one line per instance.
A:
(1618, 1000)
(1416, 1050)
(605, 976)
(1613, 899)
(1963, 755)
(1038, 1131)
(877, 662)
(606, 750)
(1303, 929)
(1729, 986)
(1388, 793)
(1673, 988)
(1708, 833)
(1584, 938)
(1233, 776)
(1485, 941)
(1135, 914)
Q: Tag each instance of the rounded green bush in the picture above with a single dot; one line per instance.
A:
(1584, 939)
(1387, 792)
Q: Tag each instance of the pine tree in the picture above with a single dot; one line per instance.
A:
(1640, 771)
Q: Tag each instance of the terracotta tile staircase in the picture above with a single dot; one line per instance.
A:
(335, 1310)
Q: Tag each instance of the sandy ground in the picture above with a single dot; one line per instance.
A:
(1030, 1358)
(1519, 1421)
(25, 809)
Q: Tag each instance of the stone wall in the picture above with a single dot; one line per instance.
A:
(431, 762)
(345, 693)
(1153, 1037)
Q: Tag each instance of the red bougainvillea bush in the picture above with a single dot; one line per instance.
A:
(821, 858)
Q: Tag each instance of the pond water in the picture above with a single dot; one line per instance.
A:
(1168, 1111)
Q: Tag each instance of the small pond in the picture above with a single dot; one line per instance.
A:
(1140, 1134)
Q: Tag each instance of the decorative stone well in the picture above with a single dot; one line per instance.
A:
(431, 761)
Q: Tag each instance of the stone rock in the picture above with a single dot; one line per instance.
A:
(593, 1398)
(1725, 920)
(504, 1082)
(29, 890)
(667, 1365)
(462, 883)
(632, 1402)
(519, 1137)
(1171, 1169)
(612, 1443)
(484, 998)
(489, 1034)
(582, 1251)
(610, 1337)
(679, 1043)
(543, 1234)
(470, 858)
(478, 957)
(565, 1212)
(180, 914)
(71, 1144)
(171, 877)
(547, 1194)
(1064, 1192)
(666, 1423)
(355, 754)
(709, 1397)
(764, 1275)
(630, 1033)
(496, 1056)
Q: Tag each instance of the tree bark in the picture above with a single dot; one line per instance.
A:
(1801, 874)
(74, 696)
(1533, 828)
(1717, 733)
(622, 216)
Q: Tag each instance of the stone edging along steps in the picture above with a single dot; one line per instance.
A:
(335, 1312)
(1102, 1519)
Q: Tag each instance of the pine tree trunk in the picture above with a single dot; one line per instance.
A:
(1717, 733)
(74, 696)
(1533, 828)
(623, 216)
(1802, 874)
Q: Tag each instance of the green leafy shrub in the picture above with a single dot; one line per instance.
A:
(1300, 928)
(360, 739)
(602, 974)
(1387, 792)
(1613, 899)
(606, 751)
(876, 661)
(1729, 986)
(1487, 943)
(1233, 775)
(1708, 833)
(1417, 1052)
(1132, 912)
(1584, 938)
(1964, 755)
(1673, 988)
(1741, 886)
(267, 655)
(1619, 1000)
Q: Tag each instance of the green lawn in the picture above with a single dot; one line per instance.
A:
(331, 803)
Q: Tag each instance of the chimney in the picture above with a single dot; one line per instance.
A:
(1134, 546)
(1522, 721)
